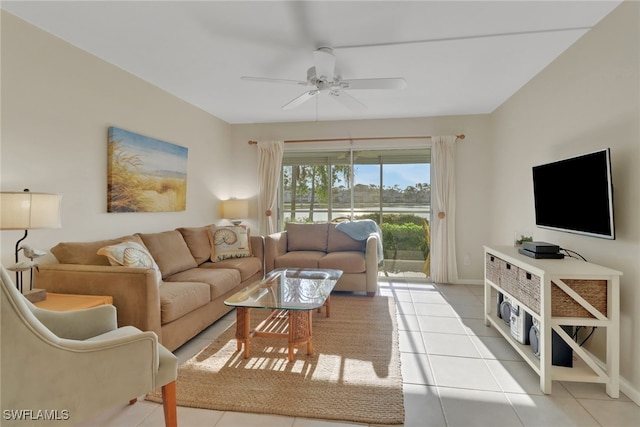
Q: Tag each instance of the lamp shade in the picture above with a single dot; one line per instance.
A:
(26, 210)
(235, 208)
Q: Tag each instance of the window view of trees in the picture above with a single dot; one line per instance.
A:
(392, 188)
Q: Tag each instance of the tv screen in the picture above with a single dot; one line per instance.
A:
(576, 195)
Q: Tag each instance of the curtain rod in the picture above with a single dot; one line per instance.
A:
(375, 138)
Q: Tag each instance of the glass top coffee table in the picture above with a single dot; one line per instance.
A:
(292, 294)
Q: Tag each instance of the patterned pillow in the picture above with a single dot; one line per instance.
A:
(229, 242)
(130, 254)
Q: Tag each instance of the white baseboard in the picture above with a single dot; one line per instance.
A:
(478, 282)
(631, 392)
(625, 386)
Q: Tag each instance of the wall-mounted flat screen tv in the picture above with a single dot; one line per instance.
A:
(576, 195)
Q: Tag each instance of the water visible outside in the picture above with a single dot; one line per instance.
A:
(322, 215)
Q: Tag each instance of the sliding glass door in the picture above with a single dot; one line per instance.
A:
(392, 187)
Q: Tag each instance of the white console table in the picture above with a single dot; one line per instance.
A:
(544, 287)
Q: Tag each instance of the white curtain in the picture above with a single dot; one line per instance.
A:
(269, 166)
(444, 268)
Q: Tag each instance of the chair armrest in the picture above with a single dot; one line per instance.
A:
(120, 339)
(78, 324)
(125, 362)
(275, 245)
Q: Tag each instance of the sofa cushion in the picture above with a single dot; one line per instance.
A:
(85, 253)
(339, 241)
(220, 280)
(197, 239)
(229, 242)
(246, 266)
(170, 251)
(180, 298)
(299, 259)
(307, 237)
(347, 261)
(130, 254)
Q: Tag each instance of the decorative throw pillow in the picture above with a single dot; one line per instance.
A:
(229, 242)
(130, 254)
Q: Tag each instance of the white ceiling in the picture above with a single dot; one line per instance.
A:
(458, 57)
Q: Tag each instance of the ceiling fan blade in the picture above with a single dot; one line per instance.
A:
(347, 100)
(270, 80)
(396, 83)
(296, 102)
(325, 63)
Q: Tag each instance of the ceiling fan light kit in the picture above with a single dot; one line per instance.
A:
(323, 77)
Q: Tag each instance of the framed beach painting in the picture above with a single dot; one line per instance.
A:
(145, 174)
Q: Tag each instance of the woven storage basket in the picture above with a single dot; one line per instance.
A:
(594, 291)
(509, 279)
(493, 268)
(529, 290)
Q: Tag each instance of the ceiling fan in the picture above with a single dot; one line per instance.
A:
(324, 77)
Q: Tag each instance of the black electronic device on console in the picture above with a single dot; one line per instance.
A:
(561, 352)
(541, 247)
(541, 255)
(541, 250)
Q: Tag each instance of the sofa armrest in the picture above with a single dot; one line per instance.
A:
(134, 290)
(257, 247)
(275, 245)
(371, 264)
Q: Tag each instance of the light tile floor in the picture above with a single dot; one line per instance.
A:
(457, 372)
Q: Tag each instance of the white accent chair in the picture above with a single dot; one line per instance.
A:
(65, 367)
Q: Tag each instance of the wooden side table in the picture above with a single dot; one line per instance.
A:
(67, 302)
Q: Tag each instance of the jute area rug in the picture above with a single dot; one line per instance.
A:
(354, 374)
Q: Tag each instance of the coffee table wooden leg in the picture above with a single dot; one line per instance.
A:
(327, 305)
(243, 329)
(293, 333)
(310, 341)
(300, 331)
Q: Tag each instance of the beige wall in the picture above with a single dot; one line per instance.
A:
(586, 100)
(57, 103)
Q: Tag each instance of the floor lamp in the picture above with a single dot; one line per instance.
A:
(25, 211)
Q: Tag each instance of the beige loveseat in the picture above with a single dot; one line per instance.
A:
(188, 299)
(321, 245)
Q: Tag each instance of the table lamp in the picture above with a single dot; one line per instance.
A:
(235, 209)
(25, 211)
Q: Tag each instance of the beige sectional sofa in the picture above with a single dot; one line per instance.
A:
(321, 245)
(190, 296)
